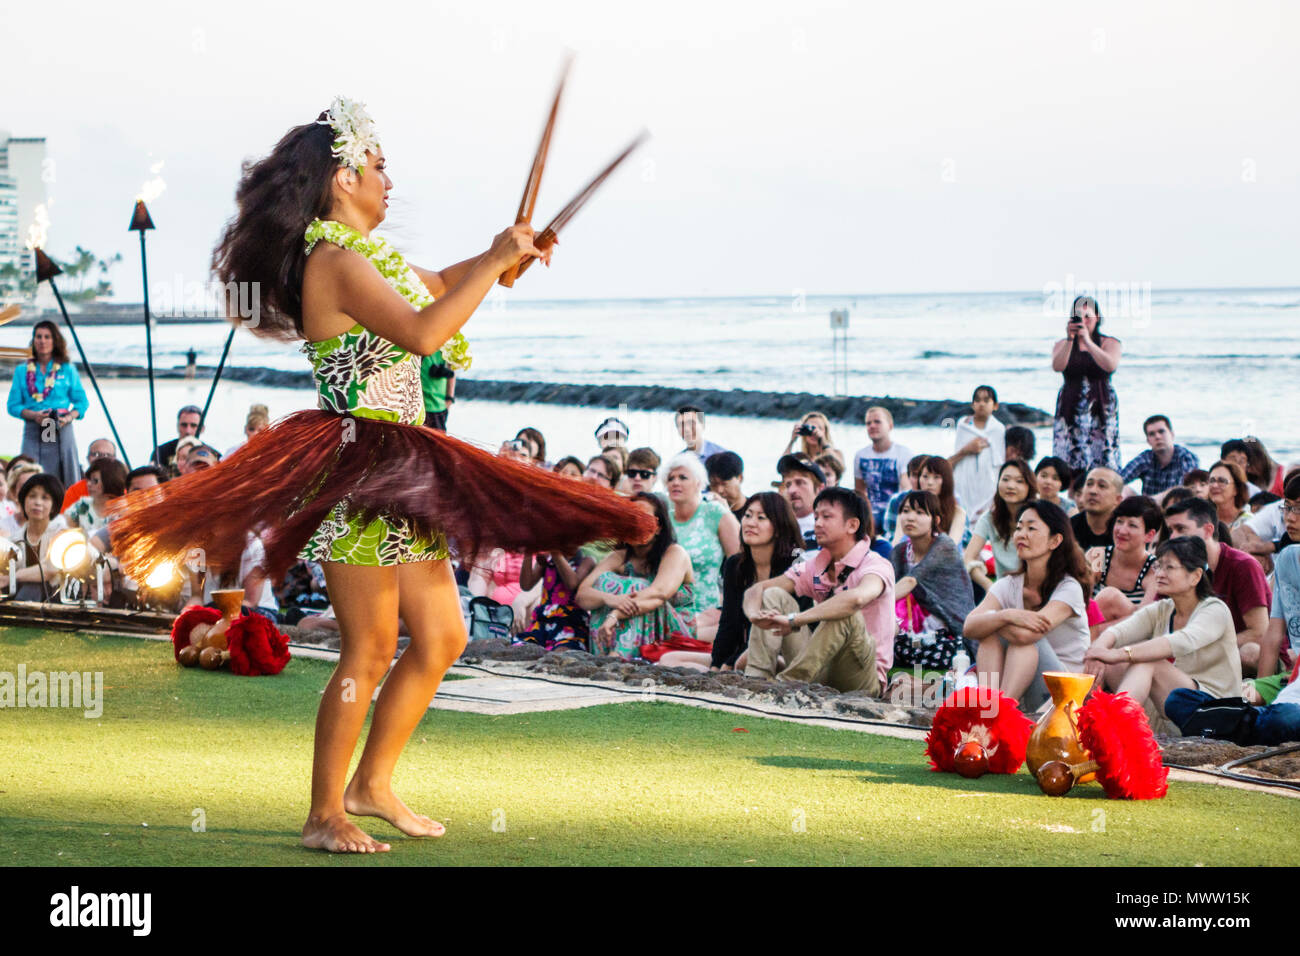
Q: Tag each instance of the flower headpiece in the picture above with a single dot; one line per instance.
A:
(354, 132)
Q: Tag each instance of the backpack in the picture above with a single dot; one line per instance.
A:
(1227, 718)
(489, 619)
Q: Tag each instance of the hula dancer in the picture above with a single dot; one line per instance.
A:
(359, 485)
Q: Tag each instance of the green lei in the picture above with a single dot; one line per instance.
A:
(391, 265)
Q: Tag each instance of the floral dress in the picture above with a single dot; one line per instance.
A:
(558, 622)
(1085, 434)
(699, 536)
(362, 374)
(672, 619)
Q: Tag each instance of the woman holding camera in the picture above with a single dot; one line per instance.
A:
(47, 395)
(814, 434)
(1086, 431)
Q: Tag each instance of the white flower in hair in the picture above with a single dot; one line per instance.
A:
(354, 132)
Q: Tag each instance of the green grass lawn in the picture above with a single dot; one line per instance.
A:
(635, 783)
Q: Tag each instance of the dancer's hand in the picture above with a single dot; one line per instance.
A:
(513, 244)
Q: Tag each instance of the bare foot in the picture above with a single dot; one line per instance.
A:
(385, 805)
(338, 834)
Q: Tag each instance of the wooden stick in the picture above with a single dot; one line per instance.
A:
(529, 200)
(9, 313)
(548, 235)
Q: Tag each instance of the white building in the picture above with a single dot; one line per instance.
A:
(22, 189)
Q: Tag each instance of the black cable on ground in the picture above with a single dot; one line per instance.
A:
(1226, 769)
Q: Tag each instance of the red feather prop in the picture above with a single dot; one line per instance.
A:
(1114, 729)
(972, 707)
(186, 622)
(285, 480)
(256, 646)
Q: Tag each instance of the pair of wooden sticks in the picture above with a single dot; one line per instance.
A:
(544, 239)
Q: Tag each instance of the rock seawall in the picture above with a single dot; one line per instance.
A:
(738, 402)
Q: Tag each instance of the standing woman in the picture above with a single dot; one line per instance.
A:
(359, 485)
(814, 436)
(48, 388)
(1086, 431)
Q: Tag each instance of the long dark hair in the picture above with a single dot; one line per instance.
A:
(1190, 552)
(1002, 522)
(278, 197)
(1066, 560)
(664, 537)
(787, 540)
(938, 465)
(1260, 466)
(59, 352)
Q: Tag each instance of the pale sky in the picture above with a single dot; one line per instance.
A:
(832, 148)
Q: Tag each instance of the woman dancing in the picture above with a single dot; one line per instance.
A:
(358, 485)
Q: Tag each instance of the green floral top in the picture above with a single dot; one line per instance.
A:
(363, 374)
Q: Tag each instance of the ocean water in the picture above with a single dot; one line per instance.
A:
(1220, 363)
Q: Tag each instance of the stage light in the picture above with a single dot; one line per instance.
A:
(162, 575)
(69, 549)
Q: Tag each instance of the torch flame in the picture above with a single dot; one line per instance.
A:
(40, 227)
(153, 187)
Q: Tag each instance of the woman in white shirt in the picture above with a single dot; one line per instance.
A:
(1034, 620)
(1016, 486)
(1189, 624)
(36, 578)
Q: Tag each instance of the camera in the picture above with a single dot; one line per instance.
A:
(807, 429)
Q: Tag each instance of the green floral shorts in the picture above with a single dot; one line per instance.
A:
(384, 542)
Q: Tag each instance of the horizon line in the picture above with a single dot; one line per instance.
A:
(838, 295)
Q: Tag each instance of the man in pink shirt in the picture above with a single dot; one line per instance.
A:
(846, 639)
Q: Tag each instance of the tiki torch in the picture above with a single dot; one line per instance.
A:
(140, 222)
(46, 270)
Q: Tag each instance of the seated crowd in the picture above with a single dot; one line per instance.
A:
(1174, 592)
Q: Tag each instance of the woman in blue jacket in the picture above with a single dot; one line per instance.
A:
(47, 395)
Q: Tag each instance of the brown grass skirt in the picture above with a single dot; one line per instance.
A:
(285, 480)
